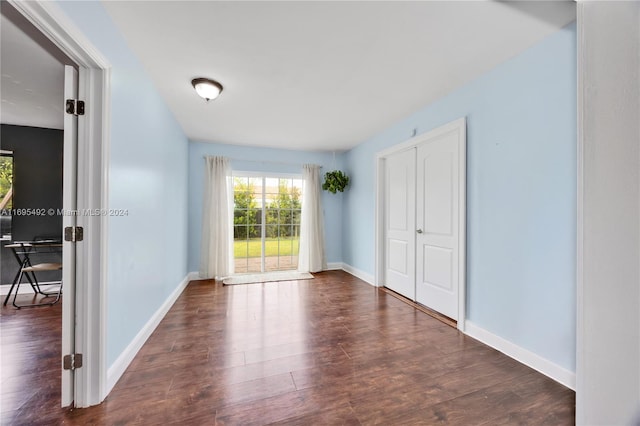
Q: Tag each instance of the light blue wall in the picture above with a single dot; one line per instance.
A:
(521, 199)
(147, 253)
(521, 192)
(262, 160)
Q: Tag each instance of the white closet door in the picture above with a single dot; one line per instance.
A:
(437, 223)
(400, 208)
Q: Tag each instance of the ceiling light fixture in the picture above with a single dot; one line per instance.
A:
(206, 88)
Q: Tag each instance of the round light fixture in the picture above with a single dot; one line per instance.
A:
(206, 88)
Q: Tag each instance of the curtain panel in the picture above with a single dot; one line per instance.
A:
(216, 259)
(311, 256)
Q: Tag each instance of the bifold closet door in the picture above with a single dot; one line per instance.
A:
(400, 218)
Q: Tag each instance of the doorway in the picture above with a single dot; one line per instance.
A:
(86, 325)
(266, 222)
(41, 139)
(421, 229)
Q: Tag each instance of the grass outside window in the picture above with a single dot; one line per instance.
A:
(253, 247)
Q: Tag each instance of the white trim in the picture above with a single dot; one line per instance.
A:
(379, 222)
(358, 273)
(49, 19)
(526, 357)
(93, 137)
(71, 258)
(462, 223)
(101, 275)
(461, 126)
(418, 139)
(580, 329)
(118, 368)
(334, 266)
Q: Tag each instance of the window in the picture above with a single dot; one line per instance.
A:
(6, 193)
(266, 220)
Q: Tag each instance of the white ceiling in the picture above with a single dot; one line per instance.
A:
(32, 68)
(321, 75)
(303, 75)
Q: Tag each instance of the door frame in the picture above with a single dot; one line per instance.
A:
(460, 125)
(92, 171)
(69, 200)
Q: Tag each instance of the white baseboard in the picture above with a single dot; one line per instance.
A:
(528, 358)
(118, 368)
(334, 266)
(368, 278)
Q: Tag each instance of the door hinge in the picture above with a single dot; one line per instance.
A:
(73, 233)
(75, 107)
(72, 361)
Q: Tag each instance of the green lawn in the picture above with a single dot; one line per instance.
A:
(288, 247)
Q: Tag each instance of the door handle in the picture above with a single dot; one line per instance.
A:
(419, 231)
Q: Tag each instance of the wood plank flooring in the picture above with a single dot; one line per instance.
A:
(332, 350)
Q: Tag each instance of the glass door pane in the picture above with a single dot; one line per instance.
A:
(267, 214)
(247, 224)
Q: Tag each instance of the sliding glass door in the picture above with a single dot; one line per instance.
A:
(266, 220)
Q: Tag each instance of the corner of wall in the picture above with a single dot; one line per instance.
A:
(117, 369)
(526, 357)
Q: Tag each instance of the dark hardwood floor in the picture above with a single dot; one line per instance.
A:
(332, 350)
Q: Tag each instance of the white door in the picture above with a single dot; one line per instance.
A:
(438, 222)
(69, 203)
(400, 208)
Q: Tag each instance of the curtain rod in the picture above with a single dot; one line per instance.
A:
(284, 163)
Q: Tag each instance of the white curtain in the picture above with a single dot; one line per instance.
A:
(311, 254)
(216, 260)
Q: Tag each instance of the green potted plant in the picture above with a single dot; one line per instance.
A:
(335, 181)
